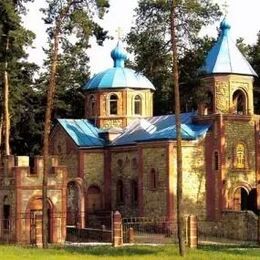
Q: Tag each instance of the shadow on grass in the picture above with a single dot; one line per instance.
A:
(110, 251)
(246, 250)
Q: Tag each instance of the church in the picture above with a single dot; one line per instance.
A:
(121, 157)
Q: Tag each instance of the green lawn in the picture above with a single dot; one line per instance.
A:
(128, 252)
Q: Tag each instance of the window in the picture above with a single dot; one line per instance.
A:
(209, 103)
(134, 192)
(92, 105)
(239, 102)
(240, 156)
(120, 192)
(153, 179)
(216, 161)
(6, 214)
(113, 109)
(137, 105)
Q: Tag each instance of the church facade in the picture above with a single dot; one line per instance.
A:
(121, 157)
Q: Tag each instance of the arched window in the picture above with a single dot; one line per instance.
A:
(6, 214)
(209, 103)
(240, 156)
(153, 179)
(120, 192)
(137, 105)
(239, 102)
(113, 105)
(216, 161)
(92, 105)
(134, 192)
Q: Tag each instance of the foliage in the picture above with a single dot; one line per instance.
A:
(13, 40)
(254, 55)
(149, 41)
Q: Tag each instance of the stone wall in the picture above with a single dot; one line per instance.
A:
(235, 177)
(194, 171)
(155, 198)
(94, 169)
(124, 167)
(63, 146)
(236, 225)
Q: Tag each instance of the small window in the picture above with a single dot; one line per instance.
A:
(216, 161)
(6, 214)
(92, 105)
(153, 179)
(120, 192)
(113, 105)
(137, 105)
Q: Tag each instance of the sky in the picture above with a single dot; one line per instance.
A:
(242, 15)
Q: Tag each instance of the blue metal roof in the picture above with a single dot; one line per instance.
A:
(225, 57)
(161, 128)
(118, 76)
(82, 132)
(85, 135)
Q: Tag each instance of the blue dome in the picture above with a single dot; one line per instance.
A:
(118, 76)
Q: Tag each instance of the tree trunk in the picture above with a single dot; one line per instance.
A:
(175, 71)
(47, 128)
(6, 103)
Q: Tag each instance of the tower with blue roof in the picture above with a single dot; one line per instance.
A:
(232, 144)
(118, 95)
(228, 78)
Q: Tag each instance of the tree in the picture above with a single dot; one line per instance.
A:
(254, 57)
(13, 38)
(149, 41)
(175, 75)
(64, 17)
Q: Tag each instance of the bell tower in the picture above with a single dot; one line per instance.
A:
(228, 82)
(230, 146)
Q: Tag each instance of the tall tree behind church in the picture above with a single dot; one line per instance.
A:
(13, 38)
(149, 40)
(65, 17)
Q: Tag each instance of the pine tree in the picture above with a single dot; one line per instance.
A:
(13, 38)
(64, 17)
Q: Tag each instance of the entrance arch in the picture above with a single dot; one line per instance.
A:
(245, 199)
(34, 220)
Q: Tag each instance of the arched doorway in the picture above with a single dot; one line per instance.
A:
(245, 200)
(94, 199)
(73, 204)
(34, 210)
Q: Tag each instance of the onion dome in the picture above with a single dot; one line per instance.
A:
(225, 57)
(118, 76)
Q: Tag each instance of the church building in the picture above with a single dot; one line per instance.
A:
(121, 157)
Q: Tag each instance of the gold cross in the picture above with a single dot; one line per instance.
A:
(119, 32)
(225, 8)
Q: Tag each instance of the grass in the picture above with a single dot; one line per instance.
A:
(211, 252)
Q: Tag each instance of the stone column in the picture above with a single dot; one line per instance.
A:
(117, 239)
(192, 231)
